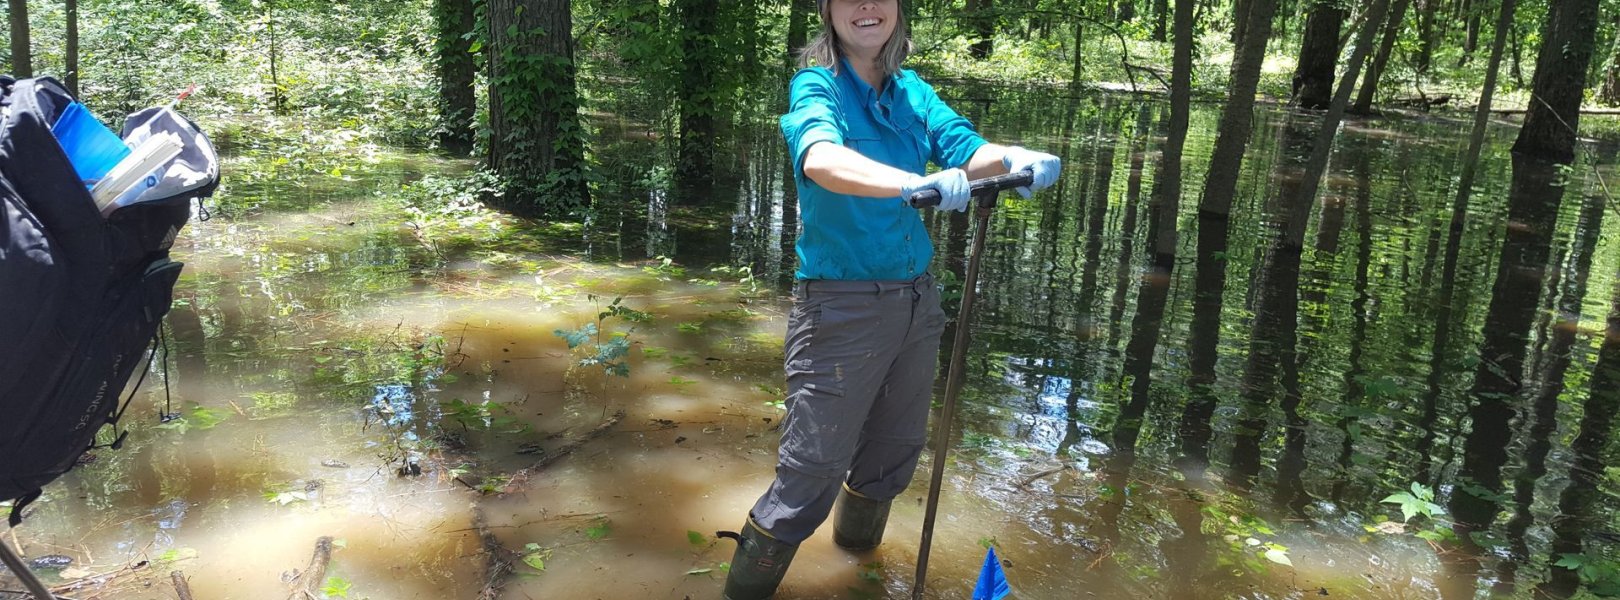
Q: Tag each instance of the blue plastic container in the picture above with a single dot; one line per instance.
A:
(91, 147)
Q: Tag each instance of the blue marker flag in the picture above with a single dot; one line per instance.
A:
(992, 580)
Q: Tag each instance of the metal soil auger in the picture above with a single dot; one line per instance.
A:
(985, 192)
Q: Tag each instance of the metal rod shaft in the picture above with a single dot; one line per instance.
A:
(15, 563)
(953, 388)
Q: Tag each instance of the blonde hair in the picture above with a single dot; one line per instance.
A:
(825, 50)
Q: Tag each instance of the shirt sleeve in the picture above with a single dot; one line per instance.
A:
(812, 115)
(952, 138)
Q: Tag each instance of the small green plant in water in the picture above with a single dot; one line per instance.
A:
(1600, 575)
(494, 484)
(666, 267)
(199, 417)
(535, 556)
(872, 571)
(599, 529)
(611, 354)
(337, 587)
(1419, 501)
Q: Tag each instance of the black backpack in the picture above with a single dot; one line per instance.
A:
(81, 296)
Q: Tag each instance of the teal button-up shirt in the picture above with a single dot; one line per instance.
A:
(906, 126)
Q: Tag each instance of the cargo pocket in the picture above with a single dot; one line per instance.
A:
(108, 354)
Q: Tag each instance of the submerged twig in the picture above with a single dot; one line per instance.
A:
(564, 450)
(181, 587)
(498, 560)
(307, 585)
(1042, 475)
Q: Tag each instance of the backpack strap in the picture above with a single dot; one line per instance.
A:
(23, 502)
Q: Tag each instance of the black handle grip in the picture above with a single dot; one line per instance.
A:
(981, 187)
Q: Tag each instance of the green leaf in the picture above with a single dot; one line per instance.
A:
(177, 554)
(476, 46)
(535, 562)
(1278, 556)
(204, 418)
(599, 530)
(699, 571)
(1571, 561)
(337, 587)
(695, 538)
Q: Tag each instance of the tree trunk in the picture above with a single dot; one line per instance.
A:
(1560, 82)
(457, 66)
(982, 20)
(802, 14)
(1077, 77)
(1609, 92)
(22, 57)
(1318, 55)
(1167, 186)
(1518, 59)
(1471, 40)
(278, 101)
(71, 59)
(1240, 20)
(1426, 15)
(1482, 115)
(1161, 16)
(1375, 72)
(535, 138)
(700, 62)
(1237, 117)
(1300, 213)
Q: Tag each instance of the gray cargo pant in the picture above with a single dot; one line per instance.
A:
(860, 374)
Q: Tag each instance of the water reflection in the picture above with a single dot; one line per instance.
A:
(1140, 422)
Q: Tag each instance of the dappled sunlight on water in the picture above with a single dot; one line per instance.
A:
(345, 367)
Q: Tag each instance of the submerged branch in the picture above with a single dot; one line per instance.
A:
(569, 448)
(307, 585)
(181, 587)
(498, 559)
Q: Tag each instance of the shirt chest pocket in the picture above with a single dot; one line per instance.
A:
(905, 146)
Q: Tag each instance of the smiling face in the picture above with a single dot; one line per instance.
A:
(863, 26)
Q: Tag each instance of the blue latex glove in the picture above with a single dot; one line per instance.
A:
(1044, 166)
(954, 190)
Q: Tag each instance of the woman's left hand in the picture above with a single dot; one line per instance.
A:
(1043, 166)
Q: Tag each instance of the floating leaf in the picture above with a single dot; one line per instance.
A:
(599, 530)
(1278, 556)
(535, 562)
(177, 554)
(695, 538)
(699, 571)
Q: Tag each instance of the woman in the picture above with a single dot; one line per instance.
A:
(863, 336)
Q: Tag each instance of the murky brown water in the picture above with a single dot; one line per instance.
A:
(319, 345)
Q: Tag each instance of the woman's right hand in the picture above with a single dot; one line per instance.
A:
(953, 186)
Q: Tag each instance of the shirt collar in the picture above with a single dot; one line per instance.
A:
(861, 86)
